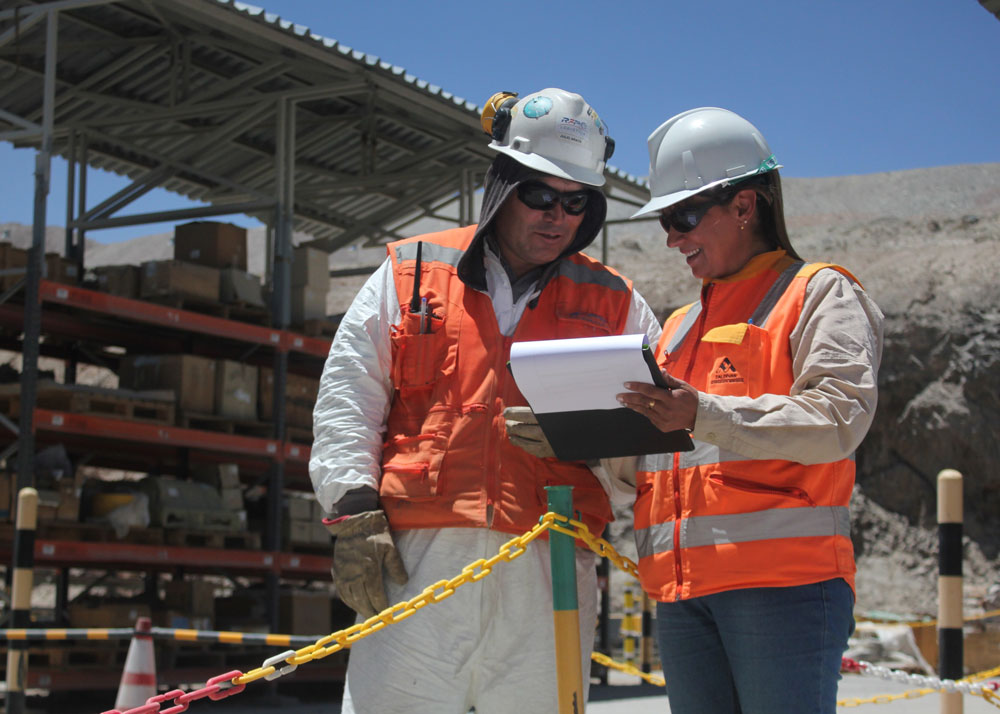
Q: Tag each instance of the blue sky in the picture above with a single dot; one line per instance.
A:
(846, 87)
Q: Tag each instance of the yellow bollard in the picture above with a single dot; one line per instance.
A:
(20, 601)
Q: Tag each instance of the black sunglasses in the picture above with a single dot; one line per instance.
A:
(687, 219)
(542, 197)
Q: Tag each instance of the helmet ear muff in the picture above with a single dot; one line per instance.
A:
(496, 114)
(609, 148)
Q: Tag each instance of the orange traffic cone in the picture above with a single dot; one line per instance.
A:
(139, 678)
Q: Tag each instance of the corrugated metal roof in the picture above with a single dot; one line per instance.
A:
(188, 95)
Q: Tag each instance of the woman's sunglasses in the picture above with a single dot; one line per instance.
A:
(687, 219)
(542, 197)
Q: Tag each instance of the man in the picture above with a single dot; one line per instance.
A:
(412, 456)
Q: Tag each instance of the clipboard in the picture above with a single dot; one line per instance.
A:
(571, 385)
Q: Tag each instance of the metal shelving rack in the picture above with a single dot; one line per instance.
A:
(71, 315)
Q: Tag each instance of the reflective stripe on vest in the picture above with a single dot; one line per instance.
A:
(805, 522)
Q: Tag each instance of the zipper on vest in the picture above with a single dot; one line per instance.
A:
(757, 487)
(678, 572)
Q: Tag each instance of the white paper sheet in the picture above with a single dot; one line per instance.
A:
(580, 373)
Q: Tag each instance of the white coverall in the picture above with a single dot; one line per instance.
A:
(490, 644)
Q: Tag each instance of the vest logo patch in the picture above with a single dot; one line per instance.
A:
(726, 373)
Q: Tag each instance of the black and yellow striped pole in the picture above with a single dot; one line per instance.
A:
(20, 601)
(565, 607)
(950, 649)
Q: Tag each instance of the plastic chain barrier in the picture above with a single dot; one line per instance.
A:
(170, 633)
(234, 682)
(929, 685)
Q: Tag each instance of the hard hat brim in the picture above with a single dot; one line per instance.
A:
(560, 169)
(658, 203)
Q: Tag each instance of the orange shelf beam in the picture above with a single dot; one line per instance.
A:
(151, 313)
(125, 555)
(164, 435)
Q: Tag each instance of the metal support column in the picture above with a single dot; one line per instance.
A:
(36, 254)
(281, 275)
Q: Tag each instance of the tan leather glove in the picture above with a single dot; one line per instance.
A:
(363, 548)
(523, 431)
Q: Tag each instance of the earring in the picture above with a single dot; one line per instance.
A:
(743, 225)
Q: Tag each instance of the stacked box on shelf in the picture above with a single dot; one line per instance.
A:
(190, 377)
(14, 260)
(7, 486)
(120, 280)
(174, 503)
(179, 279)
(239, 287)
(224, 478)
(235, 389)
(300, 398)
(310, 284)
(302, 520)
(59, 504)
(105, 614)
(304, 612)
(188, 604)
(212, 244)
(60, 270)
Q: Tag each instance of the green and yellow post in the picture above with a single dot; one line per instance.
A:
(565, 608)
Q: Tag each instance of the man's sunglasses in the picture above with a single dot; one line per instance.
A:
(542, 197)
(687, 219)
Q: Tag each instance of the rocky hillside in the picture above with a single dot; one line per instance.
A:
(925, 244)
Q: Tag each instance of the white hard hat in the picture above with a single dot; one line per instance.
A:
(701, 149)
(553, 131)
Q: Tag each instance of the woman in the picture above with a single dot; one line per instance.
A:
(745, 541)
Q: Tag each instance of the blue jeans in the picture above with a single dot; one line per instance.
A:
(756, 651)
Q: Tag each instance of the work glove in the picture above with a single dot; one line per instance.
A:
(524, 432)
(363, 547)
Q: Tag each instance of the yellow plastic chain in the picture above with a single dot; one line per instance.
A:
(478, 570)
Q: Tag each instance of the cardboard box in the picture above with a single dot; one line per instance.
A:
(60, 270)
(69, 501)
(14, 259)
(175, 278)
(297, 532)
(181, 620)
(235, 389)
(308, 303)
(299, 507)
(232, 499)
(210, 243)
(304, 612)
(123, 614)
(192, 378)
(300, 398)
(310, 267)
(6, 496)
(192, 597)
(240, 288)
(218, 476)
(121, 280)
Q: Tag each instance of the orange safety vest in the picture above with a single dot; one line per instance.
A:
(711, 520)
(447, 461)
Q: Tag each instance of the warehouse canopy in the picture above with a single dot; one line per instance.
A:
(244, 112)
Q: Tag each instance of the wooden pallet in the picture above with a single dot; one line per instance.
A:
(230, 540)
(241, 312)
(318, 328)
(95, 401)
(97, 533)
(224, 424)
